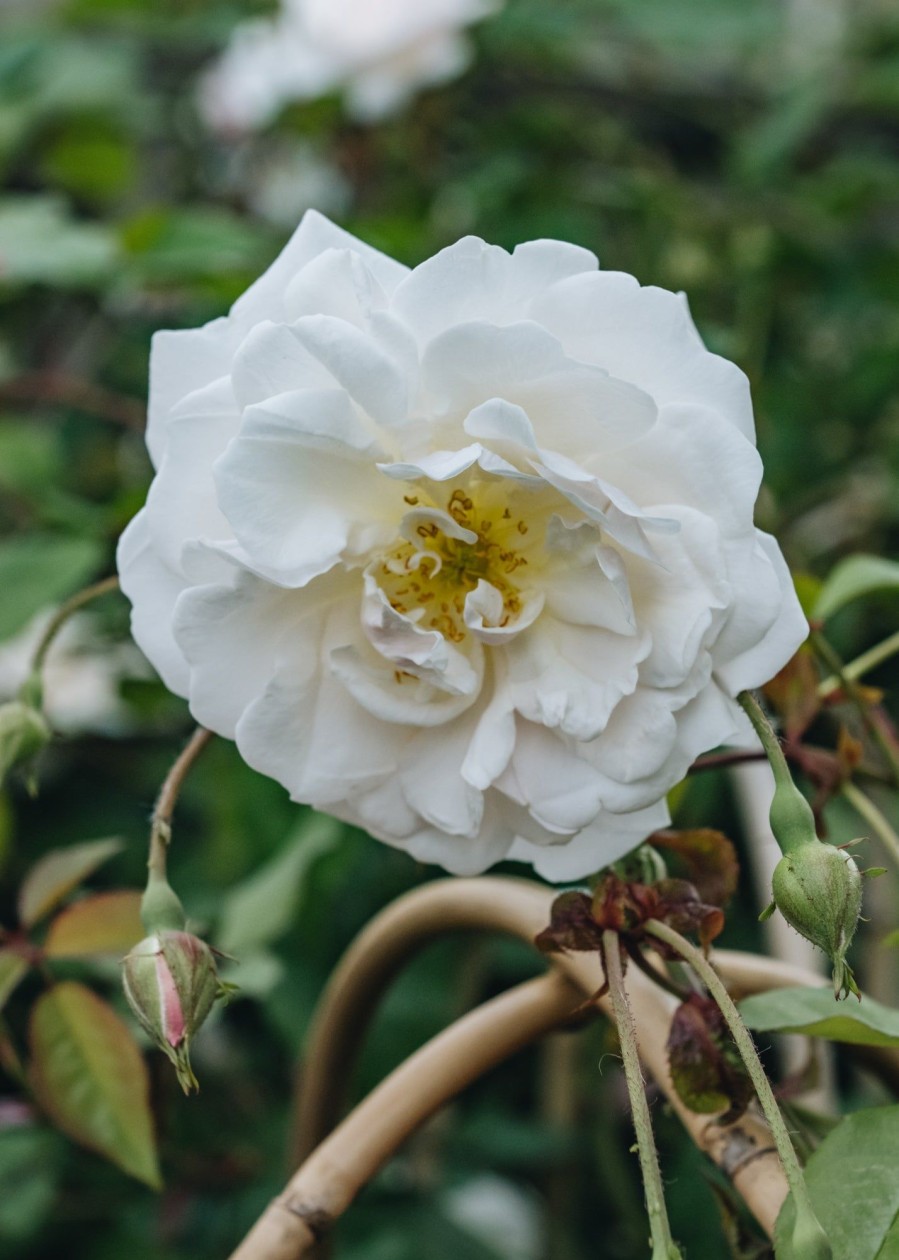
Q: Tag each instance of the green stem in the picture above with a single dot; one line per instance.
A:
(663, 1245)
(64, 612)
(768, 736)
(863, 805)
(862, 664)
(805, 1214)
(161, 909)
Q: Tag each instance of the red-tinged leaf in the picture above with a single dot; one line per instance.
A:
(13, 968)
(680, 906)
(57, 873)
(794, 694)
(705, 1064)
(90, 1078)
(710, 860)
(571, 925)
(107, 923)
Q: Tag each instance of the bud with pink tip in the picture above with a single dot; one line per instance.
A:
(171, 984)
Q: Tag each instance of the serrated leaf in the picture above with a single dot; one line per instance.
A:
(816, 1013)
(42, 569)
(55, 875)
(854, 1189)
(91, 1080)
(12, 969)
(262, 908)
(854, 578)
(107, 923)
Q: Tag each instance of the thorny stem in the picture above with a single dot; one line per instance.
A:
(710, 978)
(663, 1245)
(863, 805)
(832, 660)
(64, 612)
(862, 664)
(766, 733)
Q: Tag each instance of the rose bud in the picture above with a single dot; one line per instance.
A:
(171, 984)
(818, 890)
(23, 733)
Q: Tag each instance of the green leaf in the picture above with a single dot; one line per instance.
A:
(41, 244)
(57, 873)
(42, 569)
(854, 578)
(262, 908)
(816, 1013)
(854, 1189)
(90, 1078)
(12, 969)
(107, 923)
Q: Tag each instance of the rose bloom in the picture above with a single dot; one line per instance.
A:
(379, 54)
(463, 555)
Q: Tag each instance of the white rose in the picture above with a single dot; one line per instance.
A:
(379, 54)
(465, 554)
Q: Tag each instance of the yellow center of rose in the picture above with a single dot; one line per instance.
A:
(432, 570)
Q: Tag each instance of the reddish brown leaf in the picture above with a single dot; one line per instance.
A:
(709, 857)
(571, 925)
(108, 923)
(706, 1067)
(794, 694)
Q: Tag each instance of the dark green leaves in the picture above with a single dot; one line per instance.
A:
(853, 1182)
(816, 1013)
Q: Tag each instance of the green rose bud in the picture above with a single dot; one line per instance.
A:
(171, 984)
(791, 817)
(23, 733)
(818, 890)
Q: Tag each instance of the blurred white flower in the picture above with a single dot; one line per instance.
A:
(498, 1214)
(377, 54)
(464, 555)
(81, 675)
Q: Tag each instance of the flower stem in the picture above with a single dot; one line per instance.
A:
(863, 805)
(161, 909)
(64, 612)
(663, 1245)
(806, 1219)
(862, 664)
(768, 736)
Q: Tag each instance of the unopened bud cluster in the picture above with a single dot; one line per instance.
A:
(23, 733)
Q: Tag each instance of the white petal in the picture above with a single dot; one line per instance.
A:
(645, 336)
(405, 699)
(462, 282)
(153, 587)
(596, 846)
(295, 480)
(485, 614)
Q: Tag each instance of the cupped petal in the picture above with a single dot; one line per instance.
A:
(572, 407)
(608, 838)
(297, 478)
(336, 282)
(766, 624)
(645, 336)
(560, 790)
(486, 616)
(399, 697)
(409, 649)
(570, 677)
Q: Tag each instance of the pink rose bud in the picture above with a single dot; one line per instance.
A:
(171, 984)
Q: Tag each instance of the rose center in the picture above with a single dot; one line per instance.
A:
(446, 551)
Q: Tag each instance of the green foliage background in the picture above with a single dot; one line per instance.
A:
(747, 153)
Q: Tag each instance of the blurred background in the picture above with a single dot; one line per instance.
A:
(153, 162)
